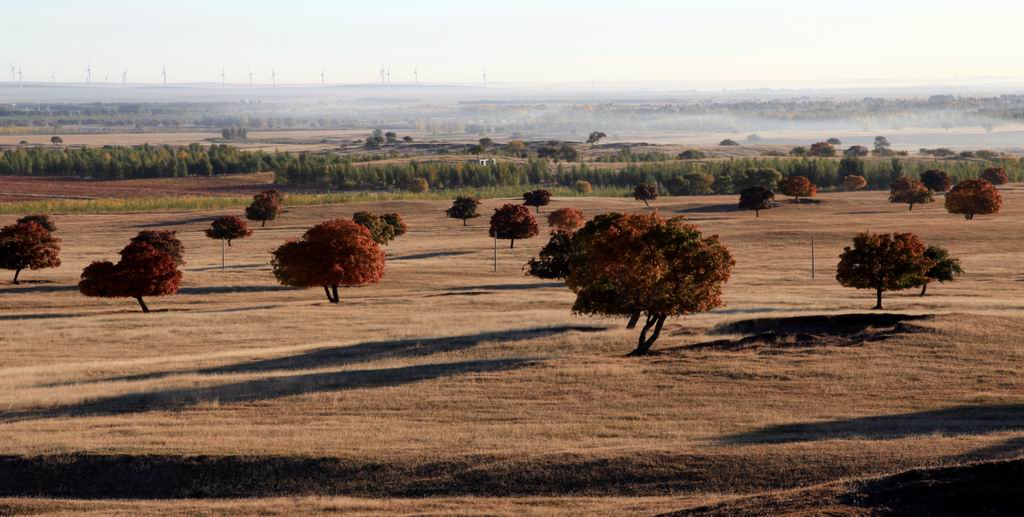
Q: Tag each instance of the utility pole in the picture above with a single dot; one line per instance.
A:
(222, 254)
(495, 252)
(812, 256)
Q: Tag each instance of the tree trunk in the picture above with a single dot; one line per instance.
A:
(16, 273)
(334, 291)
(646, 203)
(911, 207)
(757, 213)
(463, 222)
(924, 289)
(644, 343)
(878, 297)
(632, 320)
(263, 223)
(142, 304)
(327, 291)
(511, 243)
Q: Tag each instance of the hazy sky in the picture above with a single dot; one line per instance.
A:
(699, 41)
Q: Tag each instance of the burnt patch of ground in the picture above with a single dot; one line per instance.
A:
(809, 331)
(994, 488)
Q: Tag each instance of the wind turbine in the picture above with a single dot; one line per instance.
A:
(273, 78)
(223, 77)
(164, 74)
(389, 76)
(88, 73)
(250, 78)
(383, 75)
(106, 77)
(323, 71)
(416, 75)
(485, 75)
(53, 77)
(21, 79)
(12, 72)
(124, 78)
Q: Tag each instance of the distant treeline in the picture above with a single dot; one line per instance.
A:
(675, 177)
(335, 172)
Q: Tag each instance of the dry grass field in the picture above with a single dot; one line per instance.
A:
(450, 388)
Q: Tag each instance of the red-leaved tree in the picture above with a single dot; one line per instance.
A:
(797, 187)
(164, 240)
(331, 254)
(513, 222)
(28, 245)
(973, 197)
(884, 262)
(995, 175)
(566, 220)
(265, 206)
(756, 198)
(911, 192)
(635, 264)
(936, 180)
(142, 271)
(227, 228)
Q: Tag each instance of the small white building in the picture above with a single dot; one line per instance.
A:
(484, 161)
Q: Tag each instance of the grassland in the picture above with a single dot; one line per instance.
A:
(450, 388)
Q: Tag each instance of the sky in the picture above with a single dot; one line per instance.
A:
(699, 42)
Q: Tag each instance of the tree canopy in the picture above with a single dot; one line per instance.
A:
(28, 245)
(566, 220)
(537, 198)
(265, 206)
(854, 182)
(464, 207)
(228, 228)
(756, 198)
(797, 187)
(40, 219)
(973, 197)
(910, 191)
(936, 180)
(163, 240)
(995, 175)
(142, 271)
(331, 254)
(633, 263)
(945, 267)
(513, 222)
(645, 192)
(883, 262)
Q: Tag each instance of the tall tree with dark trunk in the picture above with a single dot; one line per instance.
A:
(142, 271)
(945, 268)
(883, 262)
(936, 180)
(973, 197)
(537, 198)
(265, 206)
(463, 207)
(513, 222)
(645, 192)
(756, 198)
(331, 254)
(28, 245)
(644, 264)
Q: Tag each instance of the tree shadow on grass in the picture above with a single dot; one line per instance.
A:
(265, 389)
(43, 288)
(365, 352)
(434, 254)
(222, 289)
(973, 419)
(506, 287)
(178, 222)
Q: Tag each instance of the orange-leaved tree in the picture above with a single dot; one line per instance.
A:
(854, 182)
(28, 245)
(513, 222)
(973, 197)
(228, 228)
(635, 264)
(883, 262)
(265, 206)
(142, 271)
(566, 220)
(910, 191)
(331, 254)
(797, 187)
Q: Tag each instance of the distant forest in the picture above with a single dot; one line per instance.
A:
(336, 172)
